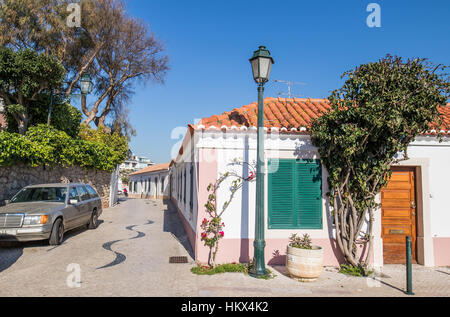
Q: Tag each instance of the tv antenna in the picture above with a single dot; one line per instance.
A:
(289, 84)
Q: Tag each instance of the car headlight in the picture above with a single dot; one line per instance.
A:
(35, 220)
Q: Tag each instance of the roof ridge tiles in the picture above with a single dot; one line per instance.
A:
(287, 113)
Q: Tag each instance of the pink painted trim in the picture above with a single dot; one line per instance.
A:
(241, 250)
(441, 251)
(207, 174)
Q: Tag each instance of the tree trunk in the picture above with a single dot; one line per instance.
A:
(348, 223)
(22, 123)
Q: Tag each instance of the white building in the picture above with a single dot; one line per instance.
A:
(132, 164)
(150, 183)
(415, 203)
(136, 163)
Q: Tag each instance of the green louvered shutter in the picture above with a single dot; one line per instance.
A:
(295, 195)
(308, 194)
(281, 196)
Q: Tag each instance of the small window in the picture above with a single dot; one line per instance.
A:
(91, 191)
(73, 194)
(84, 195)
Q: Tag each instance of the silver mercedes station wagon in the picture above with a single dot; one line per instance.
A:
(46, 212)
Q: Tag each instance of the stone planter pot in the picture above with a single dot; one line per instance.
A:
(304, 265)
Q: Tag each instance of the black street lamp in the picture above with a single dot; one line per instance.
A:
(261, 66)
(86, 87)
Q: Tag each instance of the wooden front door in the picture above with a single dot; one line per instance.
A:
(398, 208)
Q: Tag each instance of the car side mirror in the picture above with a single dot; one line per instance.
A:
(73, 202)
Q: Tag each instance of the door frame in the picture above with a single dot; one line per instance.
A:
(424, 239)
(414, 218)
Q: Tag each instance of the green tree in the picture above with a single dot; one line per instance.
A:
(378, 112)
(64, 116)
(117, 49)
(24, 77)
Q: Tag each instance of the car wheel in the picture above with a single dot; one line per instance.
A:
(57, 235)
(93, 223)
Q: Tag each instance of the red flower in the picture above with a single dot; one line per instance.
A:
(222, 233)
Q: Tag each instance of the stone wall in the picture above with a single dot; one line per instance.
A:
(14, 178)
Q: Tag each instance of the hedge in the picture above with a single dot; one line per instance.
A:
(45, 146)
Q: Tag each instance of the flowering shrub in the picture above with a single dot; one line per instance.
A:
(213, 229)
(210, 228)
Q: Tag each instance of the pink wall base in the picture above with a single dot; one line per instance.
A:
(241, 250)
(441, 251)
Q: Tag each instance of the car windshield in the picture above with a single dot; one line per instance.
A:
(39, 194)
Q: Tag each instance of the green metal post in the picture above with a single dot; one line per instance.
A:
(259, 244)
(409, 290)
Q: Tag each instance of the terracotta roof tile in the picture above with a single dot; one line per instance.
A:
(153, 168)
(288, 113)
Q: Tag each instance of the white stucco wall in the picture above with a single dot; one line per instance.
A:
(240, 215)
(184, 206)
(146, 183)
(438, 155)
(427, 152)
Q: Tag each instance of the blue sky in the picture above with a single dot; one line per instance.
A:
(209, 44)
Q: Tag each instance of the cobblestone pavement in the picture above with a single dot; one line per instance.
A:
(128, 255)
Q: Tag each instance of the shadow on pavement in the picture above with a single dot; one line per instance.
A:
(173, 225)
(281, 269)
(443, 272)
(11, 251)
(390, 285)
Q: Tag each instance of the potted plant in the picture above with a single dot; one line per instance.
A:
(304, 261)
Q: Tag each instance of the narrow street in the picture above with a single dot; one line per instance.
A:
(128, 255)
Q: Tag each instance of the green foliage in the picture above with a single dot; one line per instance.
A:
(48, 146)
(354, 270)
(24, 77)
(117, 143)
(377, 113)
(301, 242)
(64, 116)
(222, 268)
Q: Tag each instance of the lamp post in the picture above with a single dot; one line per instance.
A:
(261, 65)
(85, 87)
(86, 84)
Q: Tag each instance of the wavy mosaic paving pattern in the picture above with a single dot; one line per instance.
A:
(140, 234)
(119, 256)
